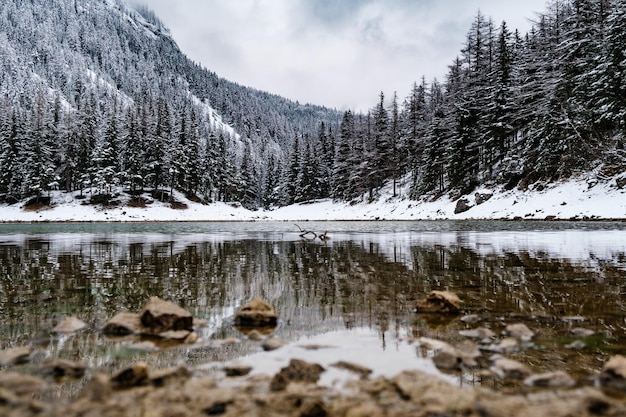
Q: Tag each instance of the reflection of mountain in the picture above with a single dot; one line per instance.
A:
(365, 280)
(356, 279)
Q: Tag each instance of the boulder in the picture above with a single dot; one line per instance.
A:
(15, 355)
(439, 302)
(256, 313)
(297, 370)
(123, 324)
(133, 376)
(613, 374)
(482, 197)
(62, 368)
(462, 205)
(159, 316)
(168, 376)
(21, 384)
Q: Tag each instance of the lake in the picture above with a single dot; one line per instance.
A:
(354, 294)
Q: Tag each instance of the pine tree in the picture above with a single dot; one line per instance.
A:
(293, 172)
(381, 152)
(11, 136)
(343, 167)
(38, 167)
(609, 88)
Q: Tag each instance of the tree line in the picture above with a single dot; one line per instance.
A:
(99, 97)
(512, 111)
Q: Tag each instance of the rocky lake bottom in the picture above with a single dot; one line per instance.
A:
(375, 322)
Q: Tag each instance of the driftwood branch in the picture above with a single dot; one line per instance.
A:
(305, 234)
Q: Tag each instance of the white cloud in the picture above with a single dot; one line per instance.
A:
(335, 53)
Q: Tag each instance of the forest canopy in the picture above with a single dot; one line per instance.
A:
(96, 96)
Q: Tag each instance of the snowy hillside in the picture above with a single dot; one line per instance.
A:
(573, 199)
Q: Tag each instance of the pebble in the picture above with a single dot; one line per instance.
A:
(520, 330)
(550, 379)
(481, 333)
(510, 368)
(507, 345)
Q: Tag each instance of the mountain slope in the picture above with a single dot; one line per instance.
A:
(96, 94)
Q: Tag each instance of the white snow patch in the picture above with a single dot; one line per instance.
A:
(568, 200)
(217, 123)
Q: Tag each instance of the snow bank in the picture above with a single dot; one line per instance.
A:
(567, 200)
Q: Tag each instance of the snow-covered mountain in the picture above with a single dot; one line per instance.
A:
(96, 94)
(99, 106)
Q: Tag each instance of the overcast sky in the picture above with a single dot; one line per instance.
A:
(336, 53)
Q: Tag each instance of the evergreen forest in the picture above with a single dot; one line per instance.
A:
(96, 97)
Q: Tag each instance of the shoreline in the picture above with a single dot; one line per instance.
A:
(571, 201)
(465, 220)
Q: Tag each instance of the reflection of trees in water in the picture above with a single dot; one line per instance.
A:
(313, 286)
(521, 283)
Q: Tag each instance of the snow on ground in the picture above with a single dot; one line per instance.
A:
(573, 199)
(568, 200)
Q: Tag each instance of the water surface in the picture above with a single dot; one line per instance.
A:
(361, 286)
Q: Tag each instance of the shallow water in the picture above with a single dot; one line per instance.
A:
(357, 289)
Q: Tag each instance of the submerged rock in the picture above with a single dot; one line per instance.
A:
(471, 318)
(449, 357)
(510, 368)
(256, 313)
(506, 345)
(550, 379)
(69, 324)
(520, 331)
(353, 367)
(175, 334)
(237, 369)
(480, 333)
(443, 302)
(582, 332)
(273, 343)
(576, 345)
